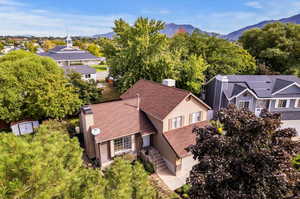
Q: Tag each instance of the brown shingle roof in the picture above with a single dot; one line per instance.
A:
(181, 138)
(119, 118)
(157, 99)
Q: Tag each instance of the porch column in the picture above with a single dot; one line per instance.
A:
(112, 148)
(133, 142)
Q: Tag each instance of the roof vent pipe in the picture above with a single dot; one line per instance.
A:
(138, 101)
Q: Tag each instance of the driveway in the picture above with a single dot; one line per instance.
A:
(172, 181)
(292, 124)
(101, 75)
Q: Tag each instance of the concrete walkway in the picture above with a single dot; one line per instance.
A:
(172, 181)
(101, 75)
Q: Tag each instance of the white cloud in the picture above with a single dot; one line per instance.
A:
(10, 3)
(254, 4)
(20, 20)
(226, 22)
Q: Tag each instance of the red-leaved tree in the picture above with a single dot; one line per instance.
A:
(249, 159)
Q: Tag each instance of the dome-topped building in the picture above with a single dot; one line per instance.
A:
(73, 59)
(68, 55)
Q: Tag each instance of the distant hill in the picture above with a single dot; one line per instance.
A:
(170, 29)
(236, 34)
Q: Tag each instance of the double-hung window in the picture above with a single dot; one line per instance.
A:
(176, 122)
(122, 144)
(282, 103)
(195, 117)
(87, 76)
(297, 103)
(244, 104)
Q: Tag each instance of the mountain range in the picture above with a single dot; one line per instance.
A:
(236, 34)
(172, 28)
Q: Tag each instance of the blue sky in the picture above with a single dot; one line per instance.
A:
(89, 17)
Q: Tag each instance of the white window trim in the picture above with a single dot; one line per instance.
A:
(124, 150)
(192, 117)
(296, 102)
(287, 103)
(238, 103)
(178, 125)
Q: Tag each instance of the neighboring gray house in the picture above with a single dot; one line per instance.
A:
(87, 72)
(275, 93)
(68, 55)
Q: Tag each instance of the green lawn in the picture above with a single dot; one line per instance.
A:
(100, 68)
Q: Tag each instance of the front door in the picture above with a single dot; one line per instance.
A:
(258, 111)
(146, 141)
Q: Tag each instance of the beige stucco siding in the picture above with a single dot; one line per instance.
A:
(160, 143)
(185, 108)
(86, 121)
(104, 149)
(158, 124)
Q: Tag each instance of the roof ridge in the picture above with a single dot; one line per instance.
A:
(160, 84)
(113, 101)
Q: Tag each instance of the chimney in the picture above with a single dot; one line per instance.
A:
(225, 82)
(169, 82)
(86, 123)
(138, 101)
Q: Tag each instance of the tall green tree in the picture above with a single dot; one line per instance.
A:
(128, 180)
(222, 57)
(191, 73)
(275, 45)
(46, 165)
(250, 158)
(142, 188)
(138, 51)
(119, 177)
(94, 49)
(87, 90)
(34, 87)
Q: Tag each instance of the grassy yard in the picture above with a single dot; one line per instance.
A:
(100, 68)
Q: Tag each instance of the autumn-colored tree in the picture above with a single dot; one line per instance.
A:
(250, 158)
(48, 44)
(30, 46)
(95, 50)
